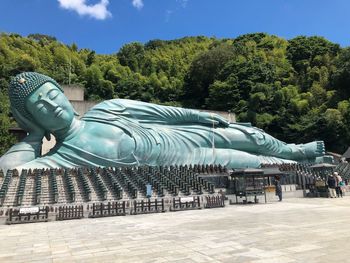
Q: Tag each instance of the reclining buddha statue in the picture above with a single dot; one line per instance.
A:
(122, 132)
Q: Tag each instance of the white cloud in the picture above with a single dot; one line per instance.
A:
(168, 14)
(137, 4)
(98, 11)
(183, 3)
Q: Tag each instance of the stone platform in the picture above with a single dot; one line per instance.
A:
(295, 230)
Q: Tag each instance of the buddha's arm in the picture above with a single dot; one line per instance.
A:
(153, 113)
(22, 152)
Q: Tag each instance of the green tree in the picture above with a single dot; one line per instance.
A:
(202, 73)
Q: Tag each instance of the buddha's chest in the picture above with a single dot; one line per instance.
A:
(105, 141)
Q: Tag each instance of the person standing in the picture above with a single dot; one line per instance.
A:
(278, 188)
(339, 184)
(331, 185)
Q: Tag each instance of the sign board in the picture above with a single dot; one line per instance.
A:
(186, 199)
(29, 210)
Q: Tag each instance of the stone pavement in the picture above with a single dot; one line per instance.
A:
(295, 230)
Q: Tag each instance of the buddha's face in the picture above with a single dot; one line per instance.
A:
(50, 108)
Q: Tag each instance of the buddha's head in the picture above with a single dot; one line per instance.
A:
(40, 99)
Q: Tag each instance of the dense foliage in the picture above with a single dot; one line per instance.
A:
(296, 90)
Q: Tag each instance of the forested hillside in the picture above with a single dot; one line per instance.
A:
(296, 90)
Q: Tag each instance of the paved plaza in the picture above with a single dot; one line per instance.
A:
(295, 230)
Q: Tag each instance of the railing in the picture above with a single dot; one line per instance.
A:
(215, 201)
(70, 212)
(185, 203)
(27, 215)
(148, 206)
(110, 209)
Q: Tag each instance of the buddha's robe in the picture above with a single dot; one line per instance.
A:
(166, 136)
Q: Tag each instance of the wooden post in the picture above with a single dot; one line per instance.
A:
(10, 215)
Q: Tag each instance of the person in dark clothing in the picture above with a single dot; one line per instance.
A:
(278, 188)
(331, 186)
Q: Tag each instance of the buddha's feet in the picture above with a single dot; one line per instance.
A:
(314, 149)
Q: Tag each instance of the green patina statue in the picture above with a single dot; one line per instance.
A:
(124, 132)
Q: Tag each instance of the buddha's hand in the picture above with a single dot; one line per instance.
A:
(213, 119)
(35, 131)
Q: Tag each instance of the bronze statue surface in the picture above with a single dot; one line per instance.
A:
(122, 132)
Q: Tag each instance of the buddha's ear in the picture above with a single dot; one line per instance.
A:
(48, 136)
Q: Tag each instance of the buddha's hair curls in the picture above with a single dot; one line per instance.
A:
(23, 85)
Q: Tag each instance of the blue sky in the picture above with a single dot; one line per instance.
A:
(106, 25)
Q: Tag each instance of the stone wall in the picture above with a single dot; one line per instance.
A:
(74, 92)
(81, 107)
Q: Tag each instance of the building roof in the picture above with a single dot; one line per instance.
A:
(272, 171)
(269, 171)
(347, 153)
